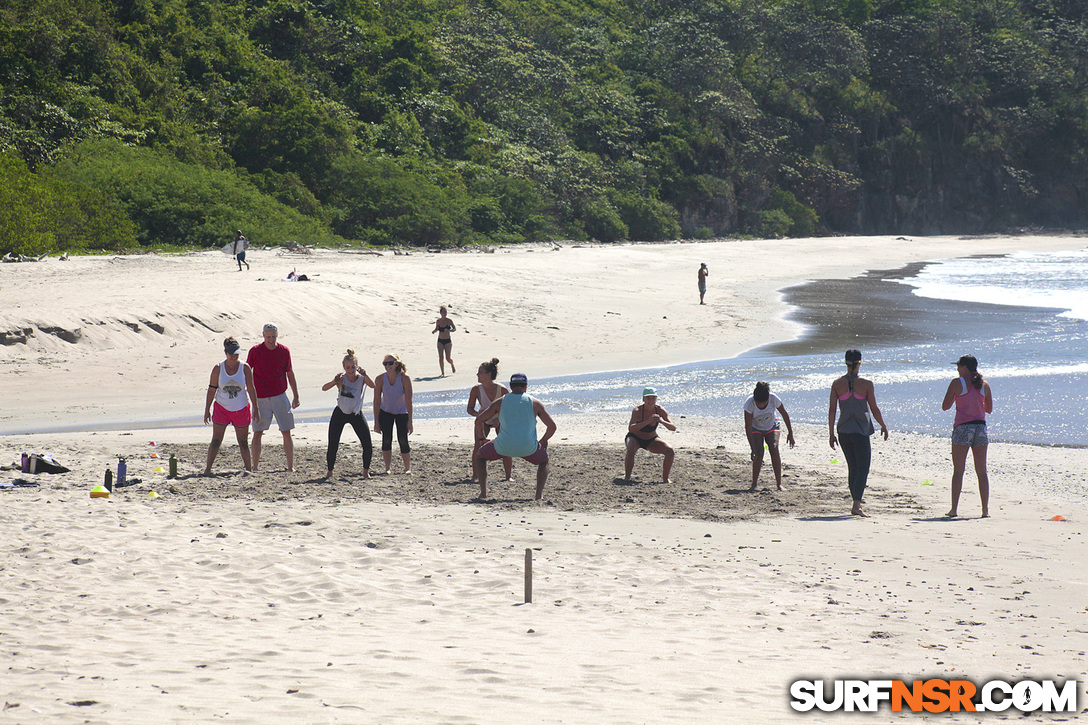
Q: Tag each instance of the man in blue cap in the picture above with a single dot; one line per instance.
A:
(517, 413)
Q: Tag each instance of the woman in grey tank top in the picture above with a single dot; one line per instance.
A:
(854, 397)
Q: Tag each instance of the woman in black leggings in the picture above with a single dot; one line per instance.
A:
(853, 397)
(393, 406)
(350, 385)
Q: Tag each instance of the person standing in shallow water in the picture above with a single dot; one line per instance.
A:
(854, 397)
(971, 395)
(704, 272)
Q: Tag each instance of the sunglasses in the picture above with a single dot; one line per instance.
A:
(387, 363)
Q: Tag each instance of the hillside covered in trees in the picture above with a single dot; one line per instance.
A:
(173, 122)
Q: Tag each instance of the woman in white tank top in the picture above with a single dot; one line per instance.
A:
(230, 384)
(351, 385)
(484, 394)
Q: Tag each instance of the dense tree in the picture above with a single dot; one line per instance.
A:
(463, 121)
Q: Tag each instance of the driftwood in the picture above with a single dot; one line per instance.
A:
(296, 248)
(360, 251)
(10, 258)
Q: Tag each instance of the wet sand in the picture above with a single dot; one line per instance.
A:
(875, 310)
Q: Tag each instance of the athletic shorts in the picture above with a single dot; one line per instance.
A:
(488, 453)
(237, 418)
(970, 434)
(278, 405)
(757, 438)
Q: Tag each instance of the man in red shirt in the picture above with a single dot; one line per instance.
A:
(272, 372)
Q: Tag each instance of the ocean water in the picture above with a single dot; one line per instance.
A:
(1024, 316)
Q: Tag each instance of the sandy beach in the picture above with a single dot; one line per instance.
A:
(277, 597)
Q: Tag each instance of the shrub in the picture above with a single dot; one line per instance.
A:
(184, 204)
(387, 204)
(602, 222)
(24, 209)
(802, 219)
(647, 218)
(774, 223)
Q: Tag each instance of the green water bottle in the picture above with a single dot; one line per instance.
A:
(173, 466)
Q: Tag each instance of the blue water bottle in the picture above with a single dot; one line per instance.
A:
(122, 471)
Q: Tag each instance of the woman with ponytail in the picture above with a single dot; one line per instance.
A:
(350, 385)
(854, 397)
(482, 395)
(971, 395)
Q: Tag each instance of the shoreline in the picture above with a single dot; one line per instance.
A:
(157, 322)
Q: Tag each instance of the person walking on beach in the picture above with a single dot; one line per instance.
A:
(444, 326)
(970, 393)
(350, 385)
(704, 272)
(517, 412)
(393, 407)
(854, 397)
(241, 244)
(231, 390)
(479, 398)
(761, 427)
(272, 373)
(642, 433)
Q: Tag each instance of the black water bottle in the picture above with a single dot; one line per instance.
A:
(109, 481)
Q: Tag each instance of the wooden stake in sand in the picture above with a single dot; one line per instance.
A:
(528, 576)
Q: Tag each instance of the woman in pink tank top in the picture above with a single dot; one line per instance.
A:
(973, 400)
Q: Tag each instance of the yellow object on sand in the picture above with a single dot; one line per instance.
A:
(99, 492)
(152, 494)
(160, 469)
(927, 482)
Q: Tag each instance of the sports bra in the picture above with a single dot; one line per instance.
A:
(850, 390)
(649, 427)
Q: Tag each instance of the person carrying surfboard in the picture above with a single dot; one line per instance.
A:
(238, 249)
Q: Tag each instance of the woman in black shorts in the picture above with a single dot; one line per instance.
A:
(642, 433)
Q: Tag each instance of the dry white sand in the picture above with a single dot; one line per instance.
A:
(171, 609)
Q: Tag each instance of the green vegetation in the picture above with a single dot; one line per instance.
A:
(173, 122)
